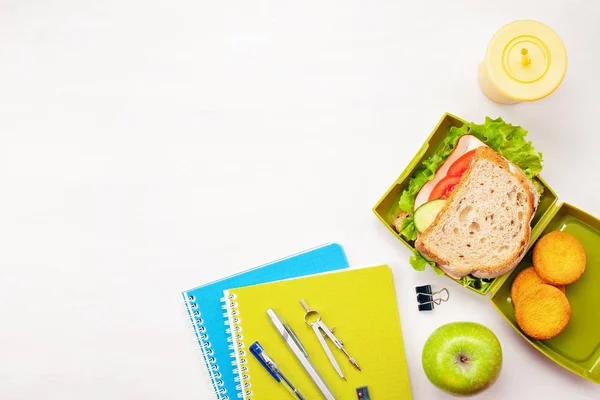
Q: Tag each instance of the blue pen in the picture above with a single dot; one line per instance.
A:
(272, 368)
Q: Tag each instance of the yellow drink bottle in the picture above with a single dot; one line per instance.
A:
(525, 61)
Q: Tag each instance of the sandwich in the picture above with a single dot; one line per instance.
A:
(468, 208)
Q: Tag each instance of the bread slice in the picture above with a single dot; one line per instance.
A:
(484, 227)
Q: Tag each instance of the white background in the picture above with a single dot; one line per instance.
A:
(147, 147)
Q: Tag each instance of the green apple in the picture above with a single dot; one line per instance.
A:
(462, 358)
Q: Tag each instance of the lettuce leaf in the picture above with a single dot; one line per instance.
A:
(408, 228)
(539, 187)
(476, 283)
(509, 141)
(419, 262)
(506, 139)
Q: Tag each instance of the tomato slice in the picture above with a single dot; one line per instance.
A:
(444, 187)
(461, 164)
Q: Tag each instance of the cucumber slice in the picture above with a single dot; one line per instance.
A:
(426, 213)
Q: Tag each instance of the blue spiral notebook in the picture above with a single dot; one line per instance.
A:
(205, 311)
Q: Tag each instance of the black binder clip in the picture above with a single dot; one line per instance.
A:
(363, 393)
(427, 299)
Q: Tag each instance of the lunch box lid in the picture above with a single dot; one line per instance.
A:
(577, 348)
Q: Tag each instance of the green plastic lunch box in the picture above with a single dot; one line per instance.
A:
(577, 348)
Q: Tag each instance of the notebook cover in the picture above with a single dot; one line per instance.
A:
(203, 306)
(361, 305)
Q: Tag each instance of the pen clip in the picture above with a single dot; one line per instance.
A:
(258, 352)
(292, 334)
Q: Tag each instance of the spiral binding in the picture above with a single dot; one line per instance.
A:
(237, 346)
(203, 339)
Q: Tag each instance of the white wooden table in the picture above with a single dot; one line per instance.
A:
(151, 146)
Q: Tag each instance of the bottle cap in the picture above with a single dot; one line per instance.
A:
(526, 60)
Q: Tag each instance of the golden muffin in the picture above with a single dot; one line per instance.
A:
(525, 280)
(543, 312)
(559, 258)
